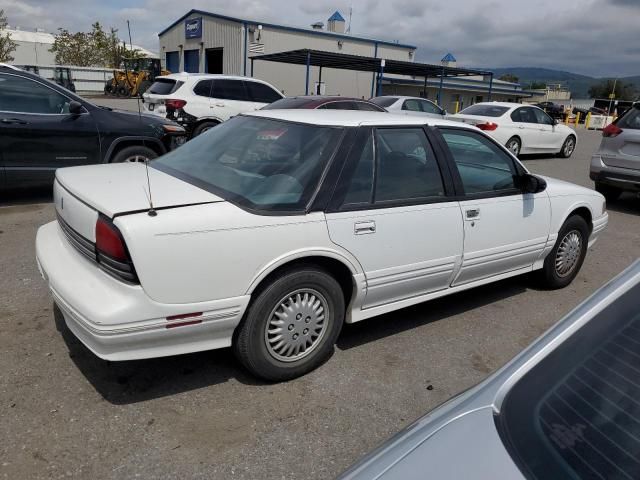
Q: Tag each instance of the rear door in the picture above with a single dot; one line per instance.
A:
(393, 209)
(39, 134)
(527, 128)
(230, 98)
(623, 150)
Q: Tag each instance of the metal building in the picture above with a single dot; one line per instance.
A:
(207, 42)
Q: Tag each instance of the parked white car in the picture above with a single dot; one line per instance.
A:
(523, 129)
(201, 101)
(276, 227)
(413, 106)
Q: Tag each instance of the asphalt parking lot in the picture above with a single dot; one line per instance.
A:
(65, 413)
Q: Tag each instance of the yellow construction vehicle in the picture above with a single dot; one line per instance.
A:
(135, 76)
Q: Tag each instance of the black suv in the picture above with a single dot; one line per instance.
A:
(44, 126)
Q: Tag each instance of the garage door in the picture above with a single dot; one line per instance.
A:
(172, 62)
(191, 61)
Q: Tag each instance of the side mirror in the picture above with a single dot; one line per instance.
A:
(75, 108)
(531, 184)
(556, 121)
(444, 113)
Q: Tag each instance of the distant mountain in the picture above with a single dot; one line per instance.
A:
(578, 84)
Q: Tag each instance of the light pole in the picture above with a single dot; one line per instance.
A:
(612, 95)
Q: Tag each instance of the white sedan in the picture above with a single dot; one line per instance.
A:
(270, 231)
(523, 129)
(412, 106)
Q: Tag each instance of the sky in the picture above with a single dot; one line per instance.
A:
(592, 37)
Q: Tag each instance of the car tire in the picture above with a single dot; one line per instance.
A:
(134, 153)
(514, 145)
(609, 192)
(257, 343)
(203, 127)
(565, 259)
(568, 147)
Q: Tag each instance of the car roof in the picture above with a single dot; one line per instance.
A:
(404, 97)
(11, 67)
(351, 118)
(184, 76)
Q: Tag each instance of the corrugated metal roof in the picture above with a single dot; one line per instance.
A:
(286, 27)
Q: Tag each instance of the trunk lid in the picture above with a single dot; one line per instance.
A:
(81, 192)
(471, 119)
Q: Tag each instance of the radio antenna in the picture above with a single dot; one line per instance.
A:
(152, 211)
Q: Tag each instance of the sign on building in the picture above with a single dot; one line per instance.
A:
(193, 28)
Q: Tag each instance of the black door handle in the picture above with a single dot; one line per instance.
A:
(13, 120)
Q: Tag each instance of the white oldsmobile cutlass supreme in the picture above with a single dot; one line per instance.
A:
(276, 227)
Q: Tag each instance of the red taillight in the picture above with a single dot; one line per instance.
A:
(488, 126)
(175, 104)
(109, 241)
(611, 131)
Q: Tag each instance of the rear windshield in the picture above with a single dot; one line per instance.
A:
(288, 103)
(485, 110)
(631, 120)
(576, 415)
(165, 86)
(384, 101)
(261, 163)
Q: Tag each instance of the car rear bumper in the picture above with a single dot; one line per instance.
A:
(117, 321)
(623, 178)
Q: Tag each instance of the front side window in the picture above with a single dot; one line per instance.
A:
(542, 117)
(342, 105)
(261, 163)
(261, 93)
(396, 164)
(230, 90)
(368, 107)
(384, 101)
(484, 167)
(23, 95)
(429, 107)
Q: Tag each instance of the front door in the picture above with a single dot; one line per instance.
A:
(39, 134)
(527, 129)
(230, 98)
(505, 230)
(550, 138)
(393, 211)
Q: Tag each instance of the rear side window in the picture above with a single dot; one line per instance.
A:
(203, 88)
(259, 92)
(524, 115)
(401, 167)
(576, 414)
(384, 101)
(165, 86)
(230, 90)
(485, 110)
(368, 107)
(22, 95)
(630, 120)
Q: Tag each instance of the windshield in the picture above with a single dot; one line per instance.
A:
(576, 414)
(384, 101)
(262, 163)
(485, 110)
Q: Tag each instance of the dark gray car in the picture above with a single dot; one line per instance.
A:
(615, 167)
(567, 407)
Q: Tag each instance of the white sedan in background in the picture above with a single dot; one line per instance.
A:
(523, 129)
(413, 106)
(273, 229)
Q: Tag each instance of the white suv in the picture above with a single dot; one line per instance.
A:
(202, 101)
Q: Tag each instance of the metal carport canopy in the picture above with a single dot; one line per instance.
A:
(322, 59)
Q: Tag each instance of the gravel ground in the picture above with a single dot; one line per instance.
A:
(65, 413)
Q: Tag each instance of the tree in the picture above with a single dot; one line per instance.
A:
(621, 90)
(538, 86)
(7, 45)
(509, 77)
(96, 48)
